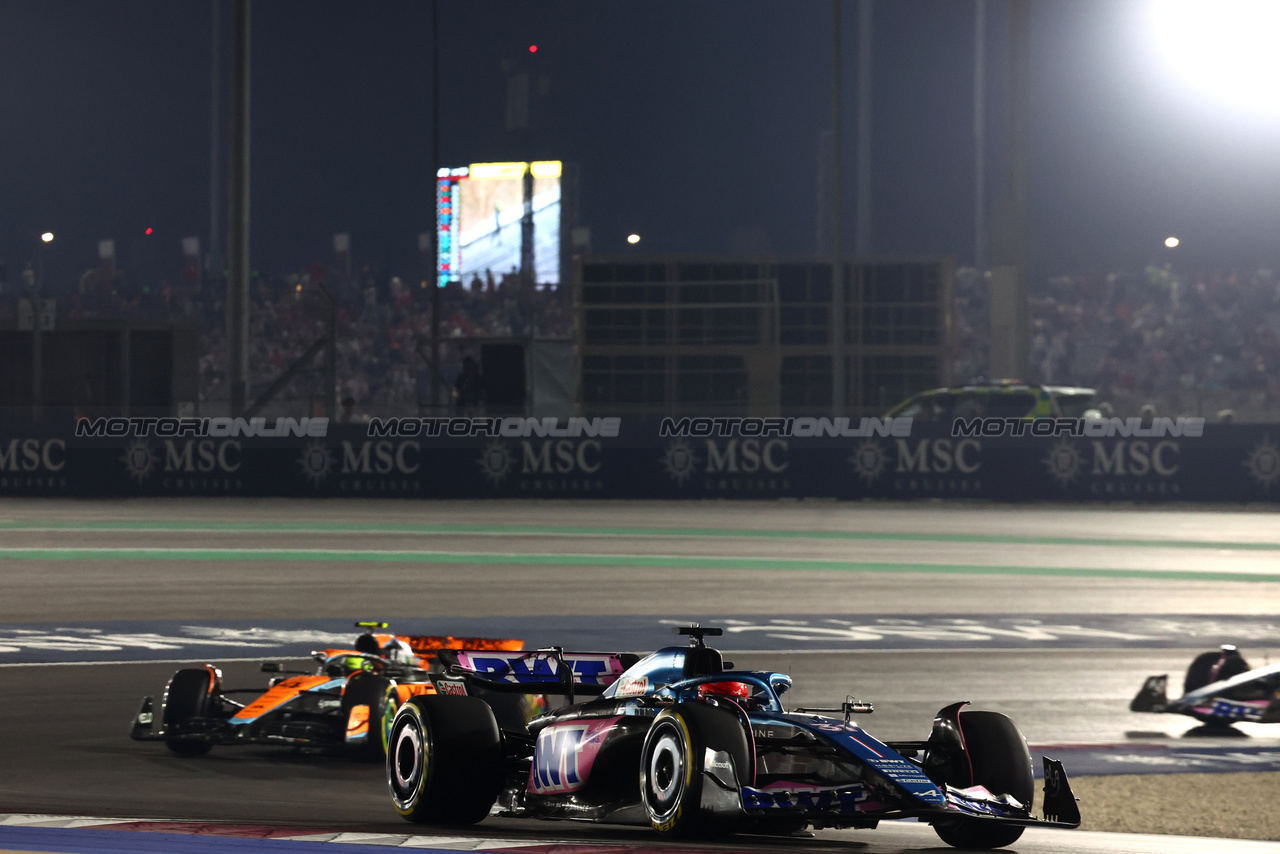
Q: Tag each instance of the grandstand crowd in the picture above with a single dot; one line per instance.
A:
(383, 328)
(1189, 344)
(1184, 343)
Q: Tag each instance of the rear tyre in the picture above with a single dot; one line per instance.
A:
(188, 696)
(444, 760)
(380, 695)
(671, 766)
(1200, 673)
(1001, 763)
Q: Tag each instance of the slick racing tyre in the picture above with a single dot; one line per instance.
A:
(444, 760)
(671, 766)
(380, 696)
(1001, 763)
(1200, 673)
(188, 696)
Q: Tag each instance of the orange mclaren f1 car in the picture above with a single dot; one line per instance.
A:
(347, 703)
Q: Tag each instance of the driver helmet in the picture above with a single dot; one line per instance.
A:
(351, 663)
(733, 690)
(398, 652)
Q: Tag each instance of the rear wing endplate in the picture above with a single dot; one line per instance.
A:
(1153, 697)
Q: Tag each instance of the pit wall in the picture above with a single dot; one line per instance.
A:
(1225, 463)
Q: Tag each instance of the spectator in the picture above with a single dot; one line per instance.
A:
(468, 389)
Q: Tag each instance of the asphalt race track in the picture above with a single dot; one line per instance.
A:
(1053, 615)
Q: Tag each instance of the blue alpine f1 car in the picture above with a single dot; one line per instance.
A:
(682, 742)
(1219, 690)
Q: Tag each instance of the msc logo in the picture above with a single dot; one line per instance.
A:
(30, 455)
(938, 466)
(1136, 458)
(563, 465)
(381, 458)
(204, 456)
(193, 465)
(560, 457)
(747, 456)
(1263, 463)
(1121, 468)
(939, 456)
(680, 461)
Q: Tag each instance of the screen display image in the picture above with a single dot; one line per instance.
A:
(479, 213)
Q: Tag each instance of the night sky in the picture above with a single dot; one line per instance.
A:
(695, 124)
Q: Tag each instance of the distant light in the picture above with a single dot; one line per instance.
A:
(1171, 242)
(1222, 48)
(298, 288)
(149, 230)
(533, 48)
(47, 237)
(633, 239)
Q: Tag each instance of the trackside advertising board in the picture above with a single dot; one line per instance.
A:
(622, 458)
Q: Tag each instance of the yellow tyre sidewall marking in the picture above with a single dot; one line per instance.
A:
(413, 711)
(688, 771)
(388, 717)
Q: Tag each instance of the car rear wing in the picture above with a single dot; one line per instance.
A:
(426, 646)
(539, 671)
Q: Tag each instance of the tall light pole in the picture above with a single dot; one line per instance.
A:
(1010, 314)
(37, 348)
(862, 206)
(836, 323)
(238, 211)
(980, 135)
(213, 266)
(435, 209)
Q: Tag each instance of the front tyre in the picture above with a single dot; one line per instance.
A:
(671, 766)
(444, 760)
(188, 697)
(1001, 763)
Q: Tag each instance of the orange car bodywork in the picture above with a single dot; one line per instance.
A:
(423, 646)
(279, 694)
(315, 720)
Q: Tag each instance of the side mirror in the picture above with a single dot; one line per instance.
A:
(272, 667)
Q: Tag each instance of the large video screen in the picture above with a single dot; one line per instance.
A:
(479, 209)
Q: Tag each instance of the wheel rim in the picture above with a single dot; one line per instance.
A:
(407, 760)
(666, 773)
(388, 720)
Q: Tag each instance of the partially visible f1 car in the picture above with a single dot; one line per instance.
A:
(1219, 689)
(680, 743)
(348, 702)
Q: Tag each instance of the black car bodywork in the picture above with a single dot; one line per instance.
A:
(678, 742)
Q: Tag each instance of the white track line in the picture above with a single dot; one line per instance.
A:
(16, 553)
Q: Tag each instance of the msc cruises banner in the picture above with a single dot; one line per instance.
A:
(1184, 460)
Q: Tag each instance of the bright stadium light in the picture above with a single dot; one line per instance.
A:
(1222, 48)
(633, 239)
(47, 237)
(1171, 241)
